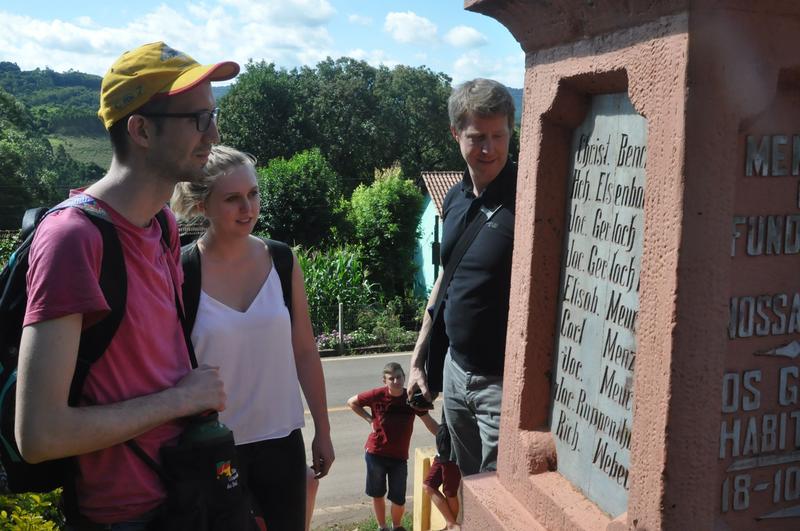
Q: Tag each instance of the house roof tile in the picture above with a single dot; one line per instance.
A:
(438, 183)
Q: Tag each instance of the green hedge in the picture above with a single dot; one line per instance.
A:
(31, 512)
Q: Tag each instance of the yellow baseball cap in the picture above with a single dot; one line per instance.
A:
(153, 69)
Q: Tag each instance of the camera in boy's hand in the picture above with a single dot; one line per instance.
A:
(418, 401)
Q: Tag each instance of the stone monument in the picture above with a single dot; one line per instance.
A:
(652, 376)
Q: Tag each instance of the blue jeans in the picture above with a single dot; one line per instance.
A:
(472, 408)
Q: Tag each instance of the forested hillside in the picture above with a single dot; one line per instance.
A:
(32, 172)
(60, 102)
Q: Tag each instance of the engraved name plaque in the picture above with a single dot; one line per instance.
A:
(599, 302)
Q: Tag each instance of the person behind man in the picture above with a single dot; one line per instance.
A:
(157, 104)
(392, 422)
(444, 473)
(475, 313)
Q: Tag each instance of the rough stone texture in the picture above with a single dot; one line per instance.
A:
(538, 24)
(493, 508)
(699, 71)
(649, 62)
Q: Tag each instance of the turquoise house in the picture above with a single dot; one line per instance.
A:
(430, 229)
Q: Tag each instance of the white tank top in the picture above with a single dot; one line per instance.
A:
(253, 350)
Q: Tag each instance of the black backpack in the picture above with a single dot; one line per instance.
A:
(48, 475)
(282, 259)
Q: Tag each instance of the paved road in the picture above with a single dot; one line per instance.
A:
(341, 495)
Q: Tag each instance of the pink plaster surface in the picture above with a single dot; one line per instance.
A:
(701, 72)
(494, 508)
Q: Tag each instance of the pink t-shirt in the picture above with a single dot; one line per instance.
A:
(148, 353)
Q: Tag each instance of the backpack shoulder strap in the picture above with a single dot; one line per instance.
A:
(30, 220)
(192, 282)
(114, 285)
(283, 259)
(459, 249)
(161, 217)
(180, 307)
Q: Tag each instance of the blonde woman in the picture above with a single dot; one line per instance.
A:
(265, 355)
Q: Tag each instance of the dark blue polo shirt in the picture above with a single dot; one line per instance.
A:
(476, 307)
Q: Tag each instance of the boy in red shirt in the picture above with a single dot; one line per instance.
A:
(392, 421)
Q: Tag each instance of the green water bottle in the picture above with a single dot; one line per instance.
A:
(208, 448)
(205, 429)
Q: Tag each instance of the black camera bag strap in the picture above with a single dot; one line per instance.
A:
(464, 241)
(437, 342)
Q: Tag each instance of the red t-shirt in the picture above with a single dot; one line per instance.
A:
(148, 353)
(392, 422)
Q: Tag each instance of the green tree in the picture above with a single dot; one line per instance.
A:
(385, 216)
(362, 118)
(345, 110)
(413, 108)
(299, 199)
(31, 173)
(261, 113)
(23, 161)
(50, 94)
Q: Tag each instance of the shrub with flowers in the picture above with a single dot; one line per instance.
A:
(354, 339)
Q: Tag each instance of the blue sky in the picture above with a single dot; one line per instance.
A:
(90, 34)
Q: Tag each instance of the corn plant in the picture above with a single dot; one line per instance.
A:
(333, 276)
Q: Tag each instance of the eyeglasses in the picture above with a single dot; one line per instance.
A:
(202, 119)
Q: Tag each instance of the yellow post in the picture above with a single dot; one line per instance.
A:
(426, 515)
(422, 503)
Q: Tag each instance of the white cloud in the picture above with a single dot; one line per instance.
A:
(373, 57)
(509, 70)
(84, 21)
(289, 33)
(465, 37)
(359, 20)
(33, 43)
(303, 12)
(214, 31)
(410, 28)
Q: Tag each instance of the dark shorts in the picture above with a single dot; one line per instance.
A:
(274, 471)
(446, 474)
(380, 468)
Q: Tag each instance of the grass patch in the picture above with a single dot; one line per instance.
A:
(366, 525)
(94, 149)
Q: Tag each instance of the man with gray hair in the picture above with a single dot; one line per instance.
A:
(461, 346)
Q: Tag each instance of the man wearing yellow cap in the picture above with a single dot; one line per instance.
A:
(157, 104)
